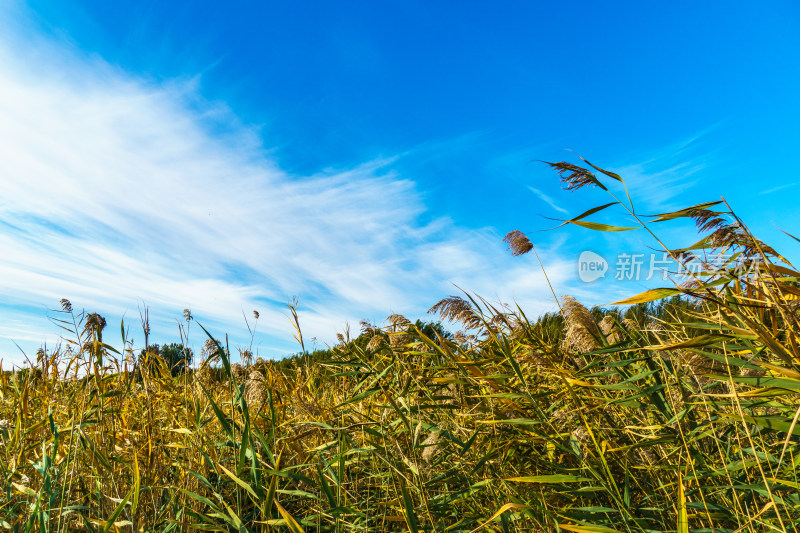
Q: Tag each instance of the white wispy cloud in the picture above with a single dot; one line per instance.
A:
(659, 176)
(547, 199)
(118, 192)
(778, 188)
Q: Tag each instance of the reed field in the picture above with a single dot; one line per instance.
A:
(675, 410)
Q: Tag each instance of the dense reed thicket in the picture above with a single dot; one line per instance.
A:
(671, 415)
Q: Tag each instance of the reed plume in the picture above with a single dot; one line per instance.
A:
(518, 242)
(457, 309)
(580, 329)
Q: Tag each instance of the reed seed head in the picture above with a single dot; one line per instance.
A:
(399, 339)
(518, 242)
(375, 342)
(431, 445)
(95, 322)
(608, 327)
(256, 388)
(574, 177)
(397, 321)
(211, 349)
(457, 309)
(237, 372)
(581, 332)
(706, 220)
(367, 328)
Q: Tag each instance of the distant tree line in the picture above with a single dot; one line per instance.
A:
(175, 357)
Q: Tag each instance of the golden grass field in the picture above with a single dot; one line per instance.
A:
(678, 413)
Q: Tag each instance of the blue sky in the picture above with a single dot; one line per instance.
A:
(365, 156)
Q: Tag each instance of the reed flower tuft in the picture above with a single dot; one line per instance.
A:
(574, 177)
(255, 388)
(581, 332)
(95, 323)
(431, 446)
(399, 340)
(367, 327)
(608, 327)
(707, 220)
(375, 343)
(518, 242)
(238, 373)
(462, 337)
(211, 349)
(398, 321)
(459, 310)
